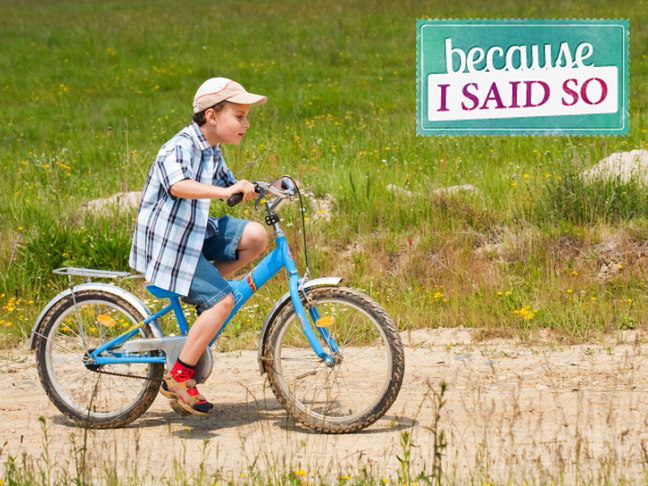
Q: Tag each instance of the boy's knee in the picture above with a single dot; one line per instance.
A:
(223, 306)
(228, 302)
(257, 236)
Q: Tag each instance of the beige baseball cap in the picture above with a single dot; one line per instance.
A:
(215, 90)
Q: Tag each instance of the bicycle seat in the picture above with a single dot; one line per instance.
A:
(161, 293)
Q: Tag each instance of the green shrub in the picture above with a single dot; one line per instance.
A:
(566, 195)
(90, 242)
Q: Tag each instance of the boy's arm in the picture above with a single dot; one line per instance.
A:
(190, 189)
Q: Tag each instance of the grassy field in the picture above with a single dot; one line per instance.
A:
(89, 92)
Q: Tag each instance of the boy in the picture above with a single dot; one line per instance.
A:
(175, 239)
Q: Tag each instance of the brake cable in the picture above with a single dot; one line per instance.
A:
(303, 218)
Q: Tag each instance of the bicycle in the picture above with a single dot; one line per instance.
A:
(333, 357)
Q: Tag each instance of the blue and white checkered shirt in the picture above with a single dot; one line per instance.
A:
(170, 231)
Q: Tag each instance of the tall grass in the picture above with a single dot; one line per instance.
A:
(568, 196)
(91, 91)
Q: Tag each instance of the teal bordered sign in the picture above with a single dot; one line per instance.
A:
(522, 77)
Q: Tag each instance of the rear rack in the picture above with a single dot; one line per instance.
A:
(92, 273)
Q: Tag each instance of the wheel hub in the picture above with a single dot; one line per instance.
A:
(86, 361)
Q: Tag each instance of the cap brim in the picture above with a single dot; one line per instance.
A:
(248, 99)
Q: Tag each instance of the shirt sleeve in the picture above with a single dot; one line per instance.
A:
(174, 165)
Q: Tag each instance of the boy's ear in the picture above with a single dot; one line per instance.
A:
(210, 116)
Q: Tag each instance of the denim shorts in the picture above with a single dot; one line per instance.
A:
(208, 287)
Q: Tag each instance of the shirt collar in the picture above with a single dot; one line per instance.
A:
(200, 138)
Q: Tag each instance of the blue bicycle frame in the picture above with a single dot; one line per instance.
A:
(243, 289)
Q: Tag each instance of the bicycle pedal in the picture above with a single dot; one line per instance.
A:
(178, 409)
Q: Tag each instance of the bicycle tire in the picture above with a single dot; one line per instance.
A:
(361, 327)
(79, 391)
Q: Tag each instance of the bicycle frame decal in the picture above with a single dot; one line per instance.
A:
(135, 327)
(250, 282)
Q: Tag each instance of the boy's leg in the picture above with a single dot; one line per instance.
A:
(252, 243)
(213, 293)
(204, 329)
(179, 384)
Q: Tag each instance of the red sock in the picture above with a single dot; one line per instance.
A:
(182, 372)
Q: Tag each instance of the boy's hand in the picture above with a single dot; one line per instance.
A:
(244, 187)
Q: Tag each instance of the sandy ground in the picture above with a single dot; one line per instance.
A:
(512, 412)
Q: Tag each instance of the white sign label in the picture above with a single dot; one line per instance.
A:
(529, 93)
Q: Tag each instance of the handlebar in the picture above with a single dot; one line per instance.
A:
(235, 199)
(238, 197)
(288, 190)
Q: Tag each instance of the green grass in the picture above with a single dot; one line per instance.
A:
(90, 91)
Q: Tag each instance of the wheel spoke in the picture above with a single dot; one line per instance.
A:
(357, 339)
(343, 380)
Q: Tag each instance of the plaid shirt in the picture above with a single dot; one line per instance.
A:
(170, 231)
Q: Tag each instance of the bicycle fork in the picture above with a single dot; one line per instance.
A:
(305, 325)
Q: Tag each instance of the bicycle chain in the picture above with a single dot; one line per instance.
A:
(123, 375)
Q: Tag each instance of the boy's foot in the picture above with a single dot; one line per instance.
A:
(185, 395)
(178, 409)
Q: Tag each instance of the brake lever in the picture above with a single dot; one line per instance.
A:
(262, 192)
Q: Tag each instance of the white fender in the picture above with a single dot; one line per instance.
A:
(285, 300)
(110, 289)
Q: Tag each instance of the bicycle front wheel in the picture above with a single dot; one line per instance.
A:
(101, 396)
(369, 360)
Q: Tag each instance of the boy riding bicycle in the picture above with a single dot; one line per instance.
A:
(175, 240)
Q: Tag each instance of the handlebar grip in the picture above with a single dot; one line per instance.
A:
(235, 199)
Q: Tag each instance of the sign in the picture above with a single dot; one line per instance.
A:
(522, 77)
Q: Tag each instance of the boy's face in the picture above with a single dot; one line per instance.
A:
(228, 125)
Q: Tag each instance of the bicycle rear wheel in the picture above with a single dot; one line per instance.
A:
(102, 396)
(369, 363)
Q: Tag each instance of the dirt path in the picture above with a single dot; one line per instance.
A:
(511, 412)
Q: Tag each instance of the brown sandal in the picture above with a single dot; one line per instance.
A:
(178, 392)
